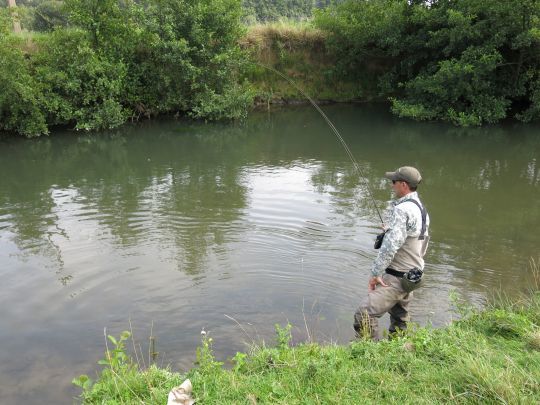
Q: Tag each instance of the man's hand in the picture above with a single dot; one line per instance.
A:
(373, 281)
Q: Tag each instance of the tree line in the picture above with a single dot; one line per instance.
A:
(99, 63)
(43, 15)
(272, 10)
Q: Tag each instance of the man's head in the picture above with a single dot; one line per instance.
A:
(404, 180)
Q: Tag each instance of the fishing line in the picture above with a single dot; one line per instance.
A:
(336, 132)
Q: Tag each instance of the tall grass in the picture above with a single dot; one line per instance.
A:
(298, 49)
(293, 34)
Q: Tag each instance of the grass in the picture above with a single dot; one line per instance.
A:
(489, 356)
(28, 40)
(294, 35)
(299, 51)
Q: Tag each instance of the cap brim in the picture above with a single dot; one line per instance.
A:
(391, 175)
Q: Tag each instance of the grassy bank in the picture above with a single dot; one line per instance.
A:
(298, 49)
(490, 356)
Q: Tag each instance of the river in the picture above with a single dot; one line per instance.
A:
(180, 227)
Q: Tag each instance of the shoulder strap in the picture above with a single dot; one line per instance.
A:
(424, 215)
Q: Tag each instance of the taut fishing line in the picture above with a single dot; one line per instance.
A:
(334, 129)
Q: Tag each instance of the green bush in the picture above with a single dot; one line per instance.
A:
(5, 22)
(469, 62)
(48, 15)
(79, 85)
(188, 59)
(121, 59)
(20, 99)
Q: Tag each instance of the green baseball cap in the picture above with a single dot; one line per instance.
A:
(408, 174)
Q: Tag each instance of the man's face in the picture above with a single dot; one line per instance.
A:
(400, 188)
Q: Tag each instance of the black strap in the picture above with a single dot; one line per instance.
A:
(424, 215)
(395, 273)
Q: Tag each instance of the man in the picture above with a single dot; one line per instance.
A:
(402, 250)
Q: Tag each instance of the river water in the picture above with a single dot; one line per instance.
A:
(179, 227)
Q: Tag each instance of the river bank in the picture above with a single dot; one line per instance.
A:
(430, 63)
(299, 50)
(489, 356)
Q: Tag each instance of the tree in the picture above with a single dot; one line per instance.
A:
(49, 14)
(469, 62)
(16, 23)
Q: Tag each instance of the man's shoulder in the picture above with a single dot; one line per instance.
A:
(408, 208)
(408, 204)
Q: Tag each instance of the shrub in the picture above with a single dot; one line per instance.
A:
(20, 98)
(48, 15)
(469, 62)
(80, 86)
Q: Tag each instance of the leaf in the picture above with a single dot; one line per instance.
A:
(80, 381)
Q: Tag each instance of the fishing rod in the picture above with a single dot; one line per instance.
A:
(336, 132)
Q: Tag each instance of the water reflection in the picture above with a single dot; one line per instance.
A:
(185, 188)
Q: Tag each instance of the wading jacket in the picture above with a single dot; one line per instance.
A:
(401, 249)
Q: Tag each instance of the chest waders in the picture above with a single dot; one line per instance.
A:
(413, 278)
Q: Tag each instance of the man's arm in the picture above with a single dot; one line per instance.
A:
(393, 240)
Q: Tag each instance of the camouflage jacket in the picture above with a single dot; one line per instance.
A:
(405, 220)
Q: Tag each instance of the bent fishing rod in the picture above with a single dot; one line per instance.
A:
(336, 132)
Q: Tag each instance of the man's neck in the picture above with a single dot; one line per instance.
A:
(404, 197)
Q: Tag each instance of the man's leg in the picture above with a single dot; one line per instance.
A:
(399, 314)
(377, 303)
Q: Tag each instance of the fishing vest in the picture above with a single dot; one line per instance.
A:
(411, 253)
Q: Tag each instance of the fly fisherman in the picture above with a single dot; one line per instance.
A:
(399, 266)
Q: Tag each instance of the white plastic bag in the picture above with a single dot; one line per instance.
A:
(181, 395)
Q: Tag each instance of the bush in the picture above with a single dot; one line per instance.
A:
(469, 62)
(121, 59)
(48, 15)
(79, 85)
(20, 98)
(188, 60)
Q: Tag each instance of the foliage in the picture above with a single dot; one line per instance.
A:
(298, 50)
(272, 10)
(108, 22)
(283, 336)
(122, 381)
(49, 14)
(466, 61)
(121, 59)
(20, 104)
(492, 356)
(188, 58)
(5, 22)
(78, 83)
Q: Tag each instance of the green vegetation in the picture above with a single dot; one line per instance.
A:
(299, 51)
(490, 356)
(95, 64)
(469, 62)
(123, 60)
(276, 10)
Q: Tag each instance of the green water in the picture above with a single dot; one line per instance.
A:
(207, 226)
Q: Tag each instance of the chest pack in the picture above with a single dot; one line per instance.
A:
(380, 237)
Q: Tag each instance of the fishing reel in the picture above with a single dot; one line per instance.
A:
(379, 240)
